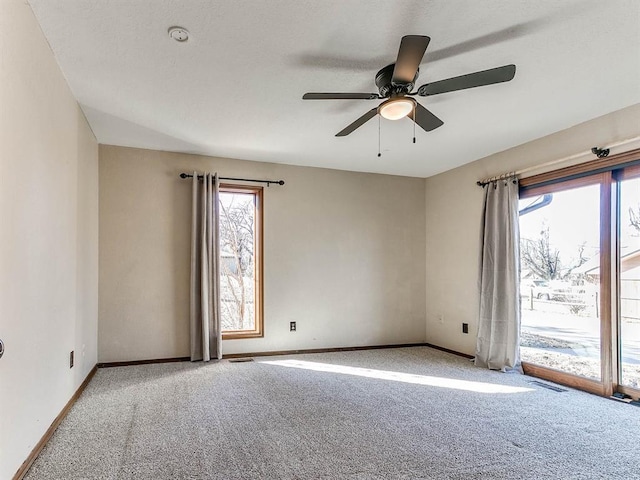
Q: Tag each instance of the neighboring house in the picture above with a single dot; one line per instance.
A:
(228, 263)
(629, 282)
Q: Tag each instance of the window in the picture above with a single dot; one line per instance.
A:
(241, 261)
(580, 275)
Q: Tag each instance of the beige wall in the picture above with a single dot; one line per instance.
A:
(454, 209)
(343, 256)
(49, 230)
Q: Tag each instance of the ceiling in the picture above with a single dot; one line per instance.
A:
(234, 89)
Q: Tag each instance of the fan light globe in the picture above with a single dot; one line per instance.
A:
(396, 108)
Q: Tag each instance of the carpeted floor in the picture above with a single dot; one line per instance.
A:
(376, 414)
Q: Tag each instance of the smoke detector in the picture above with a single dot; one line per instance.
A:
(179, 34)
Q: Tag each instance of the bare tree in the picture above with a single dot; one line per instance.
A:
(634, 218)
(544, 261)
(237, 239)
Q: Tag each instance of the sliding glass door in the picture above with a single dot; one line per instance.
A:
(580, 279)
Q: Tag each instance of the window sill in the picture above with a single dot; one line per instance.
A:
(241, 335)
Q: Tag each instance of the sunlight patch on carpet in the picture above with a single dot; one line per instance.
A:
(442, 382)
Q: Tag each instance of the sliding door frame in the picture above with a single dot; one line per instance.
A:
(629, 172)
(600, 172)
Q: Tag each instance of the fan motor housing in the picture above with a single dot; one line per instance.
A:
(386, 87)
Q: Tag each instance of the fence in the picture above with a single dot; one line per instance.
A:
(576, 303)
(583, 303)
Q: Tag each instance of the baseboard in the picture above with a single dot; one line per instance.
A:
(24, 468)
(261, 354)
(321, 350)
(284, 352)
(142, 362)
(465, 355)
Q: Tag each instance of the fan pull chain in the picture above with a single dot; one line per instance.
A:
(379, 154)
(414, 124)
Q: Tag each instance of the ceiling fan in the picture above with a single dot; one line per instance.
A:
(396, 81)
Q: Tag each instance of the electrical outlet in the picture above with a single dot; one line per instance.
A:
(465, 328)
(71, 359)
(292, 326)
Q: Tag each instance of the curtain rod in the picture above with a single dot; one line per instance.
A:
(486, 181)
(268, 182)
(504, 176)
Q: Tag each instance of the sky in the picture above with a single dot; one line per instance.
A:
(227, 199)
(573, 218)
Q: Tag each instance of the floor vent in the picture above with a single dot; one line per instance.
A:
(547, 386)
(240, 360)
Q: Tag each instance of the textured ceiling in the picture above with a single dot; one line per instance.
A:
(234, 89)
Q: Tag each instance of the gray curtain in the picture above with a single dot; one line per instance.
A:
(206, 337)
(498, 341)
